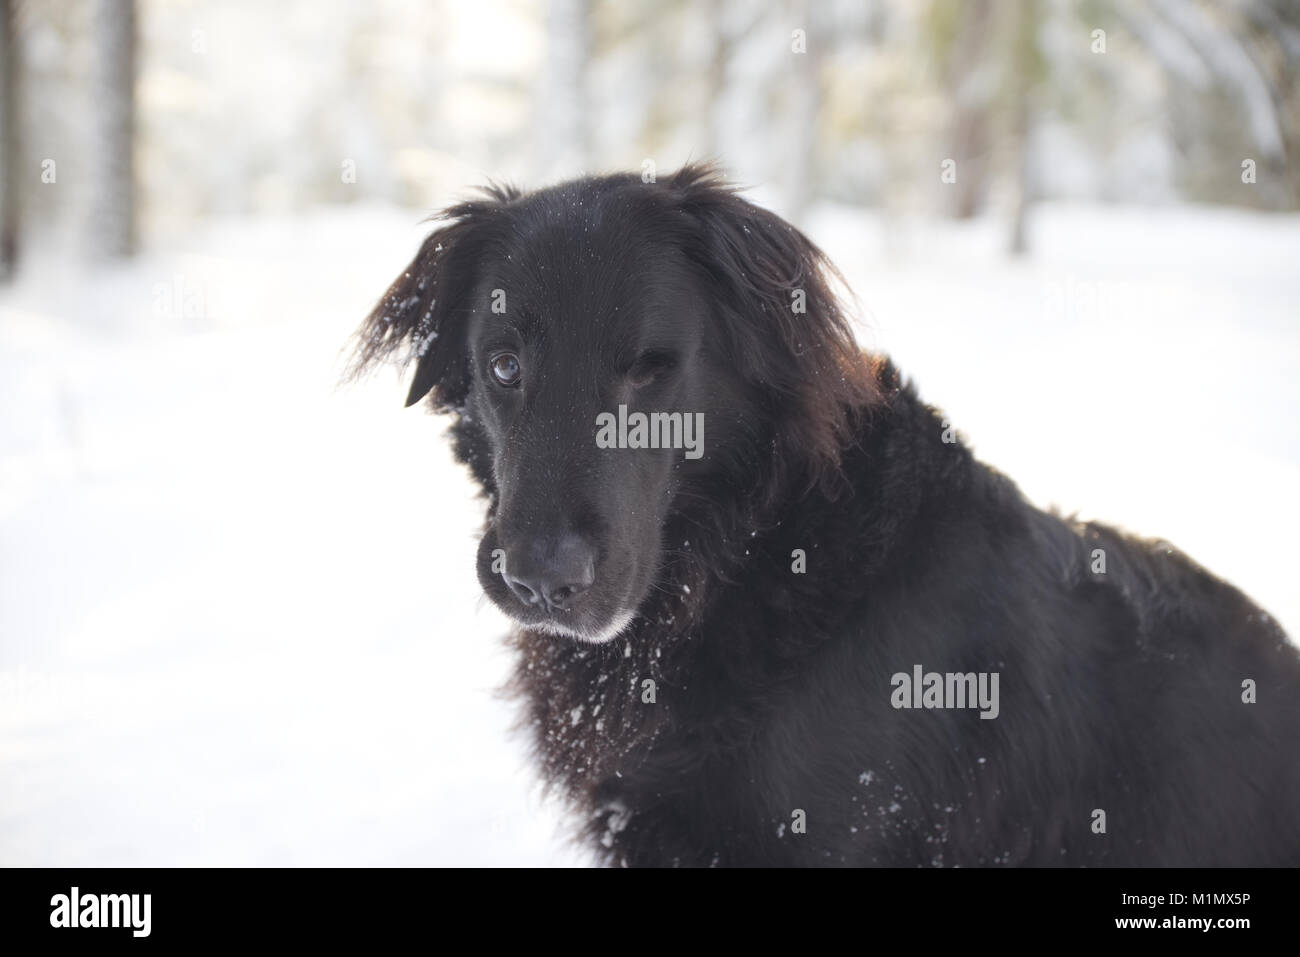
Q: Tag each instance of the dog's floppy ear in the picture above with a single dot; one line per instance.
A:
(777, 305)
(422, 317)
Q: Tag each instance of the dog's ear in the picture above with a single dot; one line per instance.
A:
(422, 317)
(777, 304)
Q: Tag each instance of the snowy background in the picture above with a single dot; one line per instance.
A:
(239, 622)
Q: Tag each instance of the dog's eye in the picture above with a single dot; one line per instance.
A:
(648, 367)
(505, 369)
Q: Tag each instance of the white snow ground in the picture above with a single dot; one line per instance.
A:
(239, 622)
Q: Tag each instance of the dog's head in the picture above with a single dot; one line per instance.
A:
(617, 355)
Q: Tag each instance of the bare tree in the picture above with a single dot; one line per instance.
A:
(111, 186)
(969, 78)
(804, 104)
(1022, 81)
(10, 139)
(716, 78)
(730, 25)
(564, 109)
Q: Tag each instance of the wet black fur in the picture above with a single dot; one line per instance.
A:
(1120, 691)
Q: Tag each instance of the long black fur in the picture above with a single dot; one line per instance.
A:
(1120, 691)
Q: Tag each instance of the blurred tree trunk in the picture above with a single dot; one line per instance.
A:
(564, 113)
(1023, 78)
(110, 169)
(10, 139)
(716, 82)
(970, 80)
(729, 24)
(803, 104)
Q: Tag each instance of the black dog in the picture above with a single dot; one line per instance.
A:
(784, 641)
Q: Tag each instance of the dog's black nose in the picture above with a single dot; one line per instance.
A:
(550, 573)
